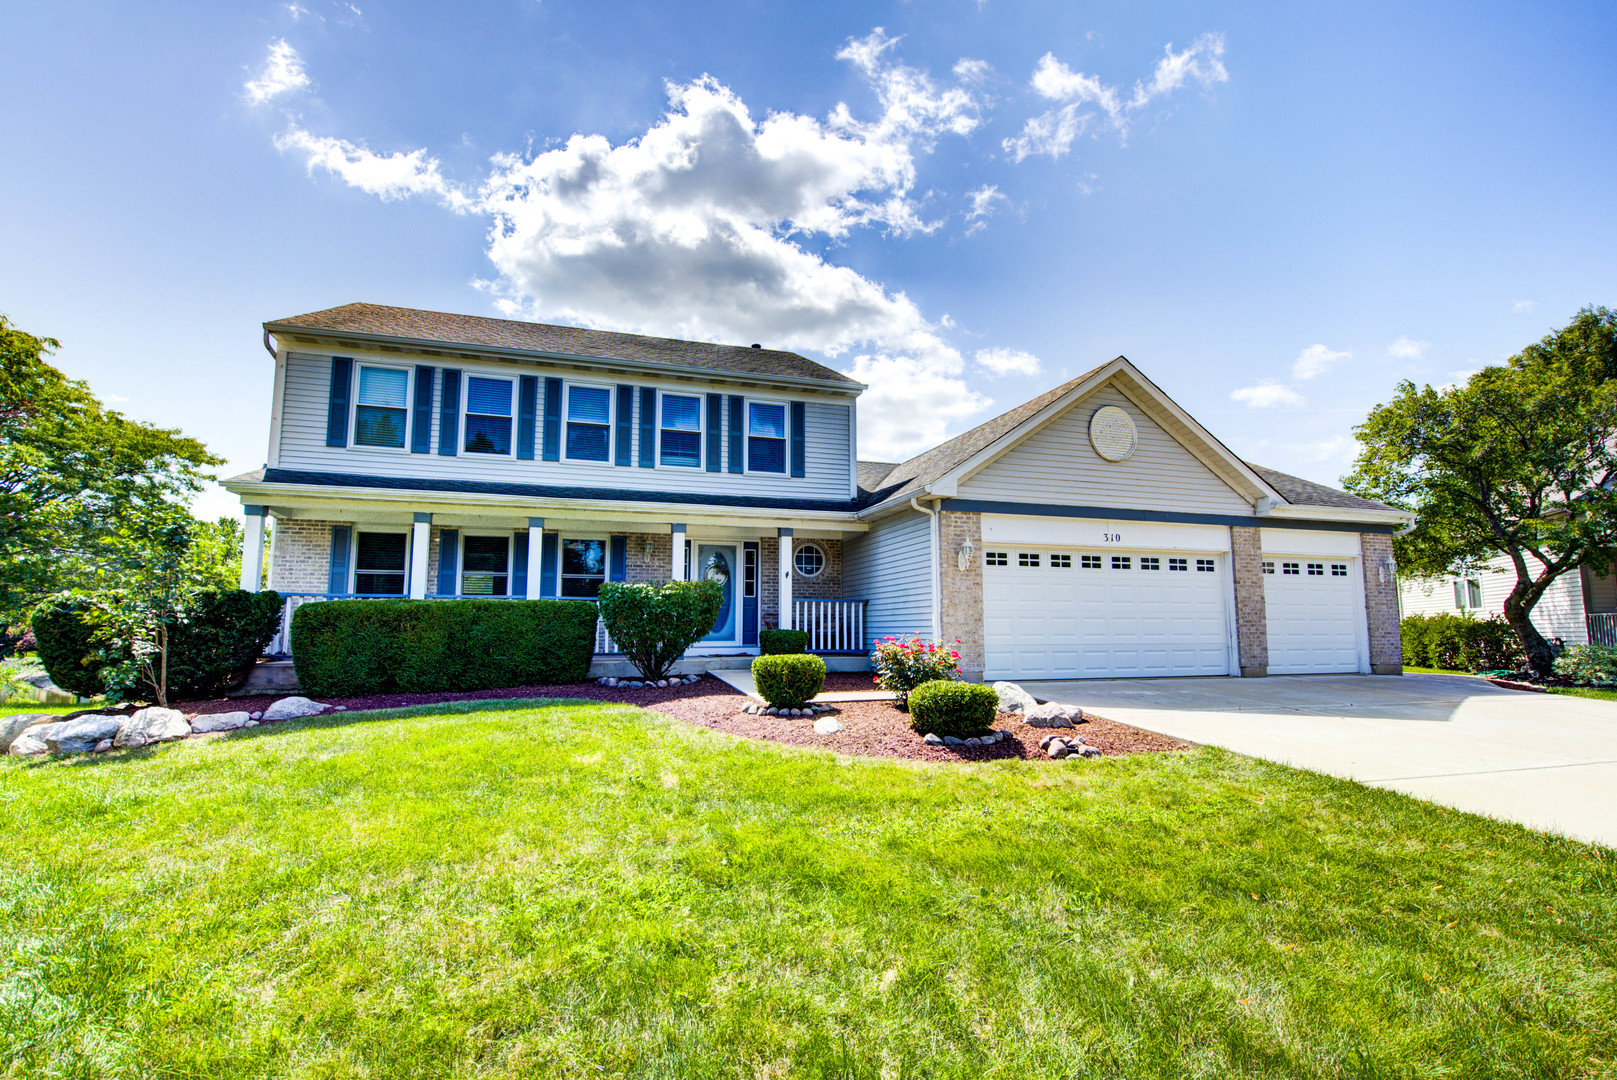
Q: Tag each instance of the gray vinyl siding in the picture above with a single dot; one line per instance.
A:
(1558, 613)
(303, 440)
(1058, 465)
(890, 567)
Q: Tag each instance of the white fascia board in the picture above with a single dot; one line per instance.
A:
(1360, 515)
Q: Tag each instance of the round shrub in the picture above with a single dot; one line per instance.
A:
(782, 642)
(64, 633)
(788, 682)
(945, 707)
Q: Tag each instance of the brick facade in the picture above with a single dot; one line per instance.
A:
(1251, 621)
(1381, 604)
(826, 585)
(300, 556)
(963, 589)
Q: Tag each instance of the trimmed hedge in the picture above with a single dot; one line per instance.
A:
(1460, 643)
(788, 681)
(946, 707)
(782, 642)
(63, 641)
(353, 647)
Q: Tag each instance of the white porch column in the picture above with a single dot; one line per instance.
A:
(420, 537)
(677, 571)
(785, 579)
(252, 547)
(536, 556)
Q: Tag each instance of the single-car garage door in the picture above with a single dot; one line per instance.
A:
(1314, 614)
(1052, 614)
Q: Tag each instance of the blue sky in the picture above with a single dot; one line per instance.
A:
(1276, 210)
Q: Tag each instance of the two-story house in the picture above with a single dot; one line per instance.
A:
(1097, 530)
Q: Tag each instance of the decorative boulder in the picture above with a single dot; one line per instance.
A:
(826, 726)
(32, 740)
(80, 736)
(290, 708)
(1053, 714)
(1013, 698)
(151, 725)
(13, 726)
(223, 721)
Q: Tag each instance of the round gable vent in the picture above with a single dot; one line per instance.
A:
(1112, 433)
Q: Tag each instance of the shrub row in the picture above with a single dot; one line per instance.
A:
(790, 680)
(946, 707)
(1460, 643)
(353, 647)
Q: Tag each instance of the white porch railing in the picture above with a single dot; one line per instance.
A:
(604, 645)
(833, 625)
(1602, 628)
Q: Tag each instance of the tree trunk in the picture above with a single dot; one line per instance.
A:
(1518, 609)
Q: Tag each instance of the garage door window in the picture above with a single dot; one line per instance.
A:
(1316, 569)
(1120, 562)
(1061, 562)
(996, 558)
(1268, 567)
(1150, 562)
(1178, 564)
(1338, 569)
(1290, 567)
(1027, 558)
(1089, 562)
(1204, 565)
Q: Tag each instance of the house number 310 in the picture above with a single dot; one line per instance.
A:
(1113, 538)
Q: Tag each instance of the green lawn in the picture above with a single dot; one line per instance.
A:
(12, 708)
(601, 891)
(1569, 691)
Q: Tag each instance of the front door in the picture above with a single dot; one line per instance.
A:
(718, 562)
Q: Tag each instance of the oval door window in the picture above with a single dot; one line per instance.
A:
(717, 563)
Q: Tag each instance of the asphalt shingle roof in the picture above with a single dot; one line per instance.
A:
(475, 330)
(1294, 489)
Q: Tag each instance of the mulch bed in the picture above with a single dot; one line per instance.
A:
(871, 728)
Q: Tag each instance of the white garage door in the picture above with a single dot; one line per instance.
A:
(1314, 614)
(1051, 614)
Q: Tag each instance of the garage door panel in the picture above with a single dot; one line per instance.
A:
(1313, 614)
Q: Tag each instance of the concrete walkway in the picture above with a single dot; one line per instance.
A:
(741, 679)
(1547, 761)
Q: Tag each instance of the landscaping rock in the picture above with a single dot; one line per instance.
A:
(339, 708)
(290, 708)
(32, 740)
(1059, 751)
(950, 740)
(257, 715)
(974, 741)
(224, 721)
(1087, 751)
(1013, 698)
(80, 736)
(103, 746)
(932, 739)
(1053, 714)
(826, 726)
(13, 726)
(151, 725)
(250, 723)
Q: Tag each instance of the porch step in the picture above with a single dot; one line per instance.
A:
(268, 677)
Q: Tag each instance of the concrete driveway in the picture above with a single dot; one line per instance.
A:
(1547, 761)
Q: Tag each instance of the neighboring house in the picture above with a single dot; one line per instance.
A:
(1579, 607)
(1097, 530)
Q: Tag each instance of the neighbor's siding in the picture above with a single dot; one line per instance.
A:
(890, 567)
(303, 441)
(1058, 465)
(1559, 614)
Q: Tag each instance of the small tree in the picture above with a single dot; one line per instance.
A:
(1519, 462)
(136, 618)
(653, 624)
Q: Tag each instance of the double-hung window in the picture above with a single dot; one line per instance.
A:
(681, 431)
(583, 568)
(766, 438)
(379, 414)
(589, 420)
(488, 415)
(485, 566)
(379, 564)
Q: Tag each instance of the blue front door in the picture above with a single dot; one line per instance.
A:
(717, 562)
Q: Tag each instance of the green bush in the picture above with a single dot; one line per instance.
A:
(1595, 665)
(901, 666)
(64, 639)
(946, 707)
(1460, 643)
(653, 623)
(782, 642)
(788, 681)
(352, 647)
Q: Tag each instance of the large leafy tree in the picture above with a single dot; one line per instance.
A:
(1520, 462)
(71, 471)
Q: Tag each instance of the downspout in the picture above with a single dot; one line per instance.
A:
(937, 570)
(268, 347)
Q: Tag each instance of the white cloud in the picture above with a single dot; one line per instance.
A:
(1086, 99)
(968, 70)
(282, 74)
(398, 175)
(1407, 349)
(1008, 361)
(1267, 394)
(296, 10)
(1316, 360)
(982, 207)
(1524, 307)
(1342, 448)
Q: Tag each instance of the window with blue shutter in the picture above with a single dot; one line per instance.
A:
(380, 407)
(648, 427)
(715, 431)
(488, 415)
(449, 415)
(549, 550)
(737, 411)
(618, 563)
(337, 403)
(527, 415)
(589, 423)
(552, 450)
(519, 564)
(799, 451)
(421, 415)
(766, 437)
(448, 561)
(681, 432)
(337, 579)
(625, 434)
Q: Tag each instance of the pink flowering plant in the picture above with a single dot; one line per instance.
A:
(901, 666)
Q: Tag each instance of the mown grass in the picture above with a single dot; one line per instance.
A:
(12, 708)
(600, 891)
(1590, 692)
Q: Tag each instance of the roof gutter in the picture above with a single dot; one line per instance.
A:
(268, 347)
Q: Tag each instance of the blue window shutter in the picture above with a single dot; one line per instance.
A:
(799, 454)
(648, 426)
(549, 551)
(519, 564)
(552, 420)
(449, 414)
(617, 563)
(337, 580)
(749, 604)
(715, 431)
(337, 407)
(527, 410)
(625, 425)
(421, 416)
(738, 423)
(448, 562)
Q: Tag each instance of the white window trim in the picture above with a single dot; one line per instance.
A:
(561, 542)
(409, 410)
(611, 424)
(466, 378)
(353, 562)
(460, 567)
(825, 559)
(746, 438)
(701, 430)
